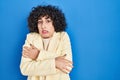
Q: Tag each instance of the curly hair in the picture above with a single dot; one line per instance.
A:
(53, 12)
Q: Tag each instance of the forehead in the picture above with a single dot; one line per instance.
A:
(44, 17)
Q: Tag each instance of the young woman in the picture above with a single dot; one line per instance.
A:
(47, 53)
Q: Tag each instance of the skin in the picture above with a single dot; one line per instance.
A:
(46, 30)
(45, 27)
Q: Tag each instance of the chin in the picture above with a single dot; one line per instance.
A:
(45, 37)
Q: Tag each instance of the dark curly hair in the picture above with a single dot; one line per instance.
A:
(53, 12)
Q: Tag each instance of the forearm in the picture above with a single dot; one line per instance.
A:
(44, 55)
(34, 68)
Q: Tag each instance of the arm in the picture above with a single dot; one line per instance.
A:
(65, 49)
(35, 68)
(65, 64)
(42, 55)
(32, 67)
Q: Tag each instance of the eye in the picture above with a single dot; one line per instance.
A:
(48, 20)
(39, 22)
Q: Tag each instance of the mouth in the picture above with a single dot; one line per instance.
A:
(44, 31)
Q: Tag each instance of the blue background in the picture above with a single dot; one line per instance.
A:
(93, 26)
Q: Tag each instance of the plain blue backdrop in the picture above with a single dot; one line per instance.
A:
(93, 26)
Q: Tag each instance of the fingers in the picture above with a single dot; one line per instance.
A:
(32, 46)
(65, 61)
(68, 61)
(66, 69)
(24, 55)
(63, 64)
(27, 48)
(30, 52)
(69, 65)
(26, 51)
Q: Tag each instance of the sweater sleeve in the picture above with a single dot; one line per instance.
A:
(43, 55)
(45, 63)
(36, 67)
(65, 49)
(66, 46)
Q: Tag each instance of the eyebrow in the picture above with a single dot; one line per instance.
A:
(46, 17)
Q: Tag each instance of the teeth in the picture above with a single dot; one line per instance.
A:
(44, 31)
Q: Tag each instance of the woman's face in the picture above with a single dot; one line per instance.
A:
(45, 27)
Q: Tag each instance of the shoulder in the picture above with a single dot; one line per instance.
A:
(63, 35)
(32, 35)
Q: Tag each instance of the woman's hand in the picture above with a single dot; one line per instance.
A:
(63, 64)
(30, 52)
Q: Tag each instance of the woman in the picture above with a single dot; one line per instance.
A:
(47, 51)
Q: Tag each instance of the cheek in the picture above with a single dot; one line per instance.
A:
(52, 29)
(39, 29)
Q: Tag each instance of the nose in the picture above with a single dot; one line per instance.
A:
(44, 25)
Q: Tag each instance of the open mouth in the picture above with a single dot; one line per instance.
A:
(44, 31)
